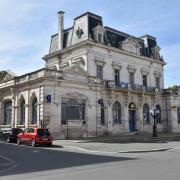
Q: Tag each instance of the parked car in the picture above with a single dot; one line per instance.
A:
(11, 135)
(35, 136)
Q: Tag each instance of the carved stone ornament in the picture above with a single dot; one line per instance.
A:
(157, 74)
(131, 68)
(144, 71)
(116, 65)
(75, 95)
(75, 69)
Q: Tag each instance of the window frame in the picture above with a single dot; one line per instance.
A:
(178, 115)
(116, 110)
(7, 112)
(146, 114)
(131, 79)
(67, 104)
(99, 71)
(157, 82)
(117, 76)
(102, 114)
(22, 112)
(145, 81)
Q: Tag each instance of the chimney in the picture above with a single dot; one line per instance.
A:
(60, 29)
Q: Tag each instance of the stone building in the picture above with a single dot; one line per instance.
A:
(96, 80)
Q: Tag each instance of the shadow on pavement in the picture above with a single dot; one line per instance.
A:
(29, 159)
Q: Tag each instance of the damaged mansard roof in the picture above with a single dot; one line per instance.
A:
(89, 26)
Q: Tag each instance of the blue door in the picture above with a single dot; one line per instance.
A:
(132, 120)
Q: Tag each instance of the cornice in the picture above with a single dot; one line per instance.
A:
(91, 43)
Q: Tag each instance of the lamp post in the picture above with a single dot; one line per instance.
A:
(155, 125)
(154, 115)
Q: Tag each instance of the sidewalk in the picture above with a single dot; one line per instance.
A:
(83, 145)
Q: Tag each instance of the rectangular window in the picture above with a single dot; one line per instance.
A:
(145, 81)
(131, 79)
(99, 71)
(72, 109)
(7, 113)
(116, 76)
(178, 115)
(157, 82)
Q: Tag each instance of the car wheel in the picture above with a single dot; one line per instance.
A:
(33, 143)
(8, 140)
(18, 141)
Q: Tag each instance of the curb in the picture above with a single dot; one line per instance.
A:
(148, 151)
(128, 151)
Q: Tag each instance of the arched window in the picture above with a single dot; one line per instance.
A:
(146, 117)
(117, 113)
(22, 112)
(7, 112)
(34, 111)
(178, 114)
(158, 113)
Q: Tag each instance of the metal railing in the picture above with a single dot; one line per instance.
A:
(122, 85)
(136, 87)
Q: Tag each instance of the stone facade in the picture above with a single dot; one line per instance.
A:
(97, 80)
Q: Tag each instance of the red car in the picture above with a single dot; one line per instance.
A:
(35, 136)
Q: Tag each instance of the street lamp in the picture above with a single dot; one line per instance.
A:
(154, 113)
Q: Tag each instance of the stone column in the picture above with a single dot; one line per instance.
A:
(126, 119)
(26, 115)
(140, 126)
(174, 124)
(1, 120)
(110, 120)
(13, 113)
(16, 118)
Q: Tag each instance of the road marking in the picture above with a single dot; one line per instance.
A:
(36, 151)
(12, 163)
(82, 149)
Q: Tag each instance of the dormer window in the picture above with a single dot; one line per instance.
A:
(131, 45)
(99, 37)
(157, 49)
(99, 34)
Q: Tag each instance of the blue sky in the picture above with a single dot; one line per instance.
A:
(26, 27)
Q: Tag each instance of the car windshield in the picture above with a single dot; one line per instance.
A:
(43, 132)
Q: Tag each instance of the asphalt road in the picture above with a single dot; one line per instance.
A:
(42, 164)
(16, 159)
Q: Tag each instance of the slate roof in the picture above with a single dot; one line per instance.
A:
(113, 37)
